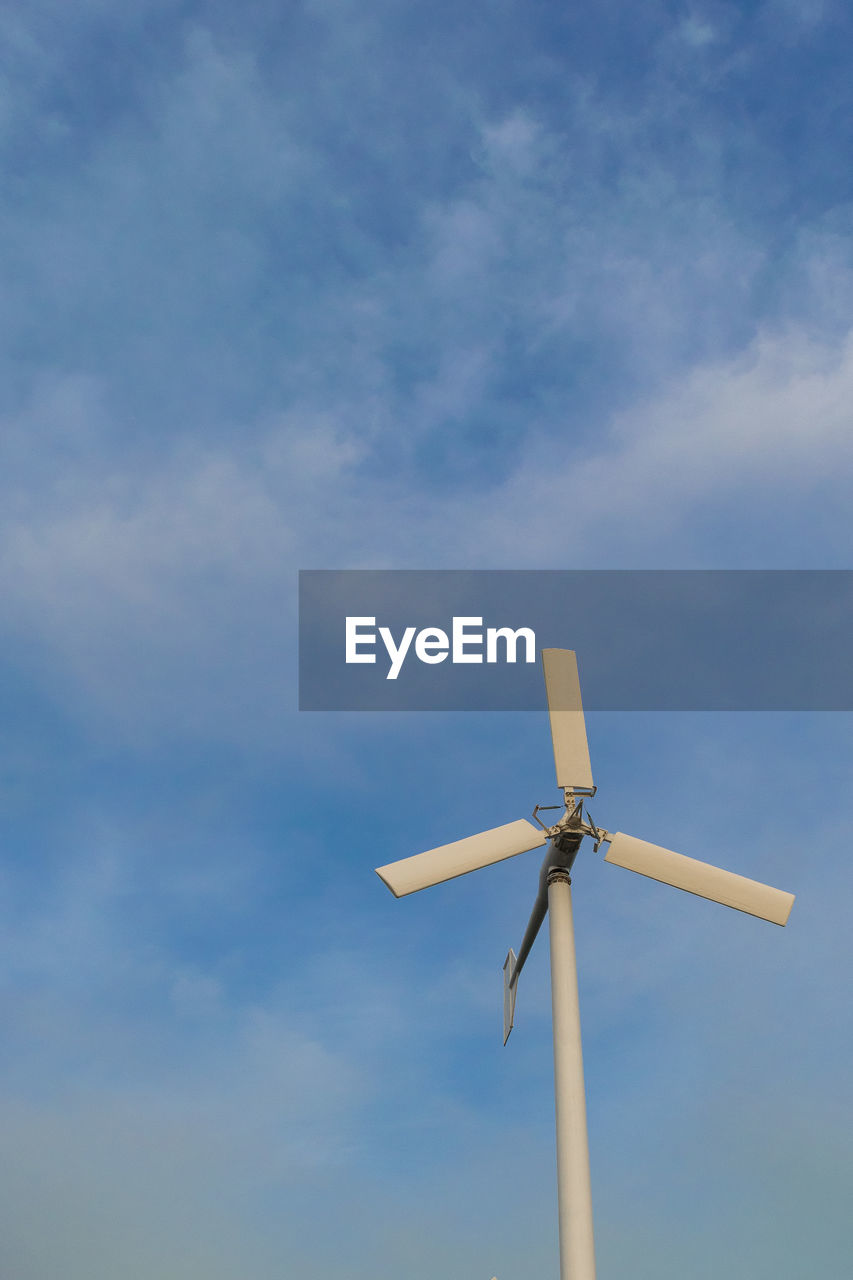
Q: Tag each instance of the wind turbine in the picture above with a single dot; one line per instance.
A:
(554, 899)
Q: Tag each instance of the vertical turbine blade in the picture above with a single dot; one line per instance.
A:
(701, 878)
(510, 989)
(568, 730)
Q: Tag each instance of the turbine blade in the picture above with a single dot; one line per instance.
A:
(568, 730)
(701, 878)
(510, 990)
(460, 857)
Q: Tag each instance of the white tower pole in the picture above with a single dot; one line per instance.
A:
(574, 1195)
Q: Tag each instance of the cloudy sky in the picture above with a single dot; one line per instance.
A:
(395, 284)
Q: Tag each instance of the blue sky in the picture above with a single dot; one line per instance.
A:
(405, 285)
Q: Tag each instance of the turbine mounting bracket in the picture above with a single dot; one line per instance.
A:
(541, 808)
(592, 830)
(572, 819)
(586, 792)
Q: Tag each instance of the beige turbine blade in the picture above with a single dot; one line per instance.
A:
(700, 878)
(568, 731)
(460, 857)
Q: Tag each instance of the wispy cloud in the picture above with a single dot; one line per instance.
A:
(369, 285)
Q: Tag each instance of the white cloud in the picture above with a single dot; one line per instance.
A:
(173, 583)
(351, 297)
(764, 428)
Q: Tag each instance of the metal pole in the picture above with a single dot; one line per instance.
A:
(574, 1197)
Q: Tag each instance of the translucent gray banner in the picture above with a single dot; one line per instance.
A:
(646, 640)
